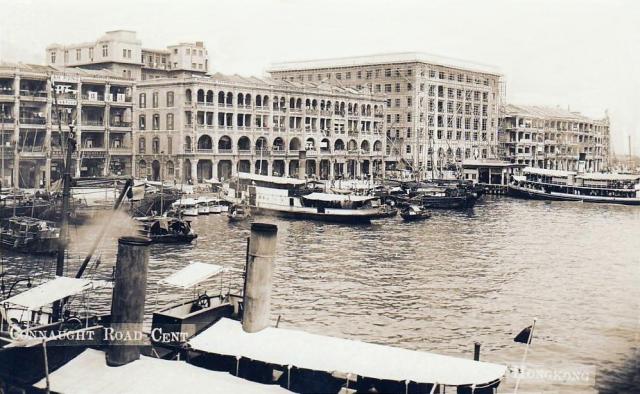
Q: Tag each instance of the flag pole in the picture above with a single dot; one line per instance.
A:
(524, 357)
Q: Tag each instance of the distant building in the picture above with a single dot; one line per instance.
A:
(554, 138)
(99, 101)
(121, 52)
(197, 128)
(439, 111)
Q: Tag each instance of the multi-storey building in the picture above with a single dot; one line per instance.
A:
(439, 111)
(121, 52)
(197, 128)
(100, 104)
(554, 138)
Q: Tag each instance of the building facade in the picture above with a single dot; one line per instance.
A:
(554, 138)
(121, 52)
(439, 111)
(98, 102)
(193, 129)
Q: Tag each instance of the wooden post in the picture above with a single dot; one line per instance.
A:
(259, 277)
(127, 305)
(476, 351)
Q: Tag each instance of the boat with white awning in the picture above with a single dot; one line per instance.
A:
(200, 311)
(365, 363)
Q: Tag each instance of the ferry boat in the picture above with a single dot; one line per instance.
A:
(29, 235)
(289, 197)
(189, 206)
(543, 184)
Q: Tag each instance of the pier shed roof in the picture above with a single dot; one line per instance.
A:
(288, 347)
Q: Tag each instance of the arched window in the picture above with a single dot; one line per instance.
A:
(142, 169)
(170, 168)
(187, 144)
(142, 145)
(169, 121)
(187, 96)
(155, 145)
(156, 122)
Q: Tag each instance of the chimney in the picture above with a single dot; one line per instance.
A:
(259, 277)
(127, 303)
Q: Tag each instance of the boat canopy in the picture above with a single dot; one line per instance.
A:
(272, 179)
(329, 354)
(89, 372)
(185, 202)
(545, 172)
(192, 274)
(51, 291)
(519, 178)
(597, 176)
(336, 197)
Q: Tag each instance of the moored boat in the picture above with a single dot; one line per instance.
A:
(414, 213)
(188, 206)
(543, 184)
(289, 197)
(161, 229)
(239, 213)
(203, 205)
(29, 235)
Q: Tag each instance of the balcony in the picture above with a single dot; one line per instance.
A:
(120, 149)
(204, 150)
(92, 122)
(118, 123)
(38, 95)
(244, 151)
(33, 120)
(6, 119)
(262, 108)
(6, 92)
(93, 97)
(225, 151)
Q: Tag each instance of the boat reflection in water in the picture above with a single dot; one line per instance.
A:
(543, 184)
(292, 198)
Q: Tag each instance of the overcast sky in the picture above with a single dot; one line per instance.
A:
(584, 54)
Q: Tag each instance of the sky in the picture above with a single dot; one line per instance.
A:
(577, 54)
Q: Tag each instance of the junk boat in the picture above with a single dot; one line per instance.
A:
(543, 184)
(414, 213)
(29, 235)
(289, 197)
(166, 230)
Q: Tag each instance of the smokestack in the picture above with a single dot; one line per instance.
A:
(127, 304)
(259, 277)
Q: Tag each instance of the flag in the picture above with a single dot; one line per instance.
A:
(523, 336)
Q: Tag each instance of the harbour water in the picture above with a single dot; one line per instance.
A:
(443, 284)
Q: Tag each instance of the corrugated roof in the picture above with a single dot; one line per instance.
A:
(44, 69)
(543, 112)
(385, 58)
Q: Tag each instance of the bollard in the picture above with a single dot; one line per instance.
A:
(127, 304)
(476, 351)
(259, 277)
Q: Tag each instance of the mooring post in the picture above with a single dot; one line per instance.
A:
(259, 277)
(127, 304)
(476, 351)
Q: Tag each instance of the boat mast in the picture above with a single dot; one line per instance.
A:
(68, 146)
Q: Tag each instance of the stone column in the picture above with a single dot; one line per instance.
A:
(194, 171)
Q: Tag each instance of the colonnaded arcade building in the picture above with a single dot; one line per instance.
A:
(195, 128)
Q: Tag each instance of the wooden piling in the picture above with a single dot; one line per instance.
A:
(259, 277)
(476, 351)
(127, 304)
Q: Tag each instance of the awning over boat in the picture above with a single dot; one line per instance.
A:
(546, 172)
(595, 176)
(272, 179)
(329, 354)
(192, 274)
(51, 291)
(336, 197)
(89, 373)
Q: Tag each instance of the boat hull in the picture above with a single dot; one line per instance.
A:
(360, 217)
(533, 194)
(414, 218)
(39, 246)
(462, 202)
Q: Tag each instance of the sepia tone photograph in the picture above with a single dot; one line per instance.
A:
(305, 196)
